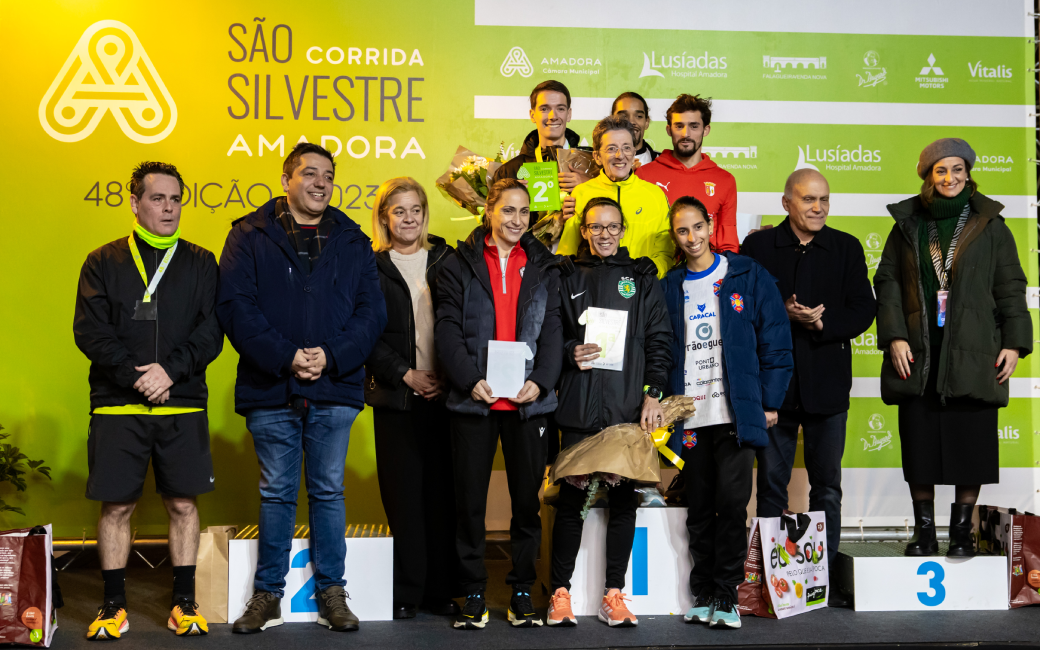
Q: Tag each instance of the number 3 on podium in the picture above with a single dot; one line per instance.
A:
(934, 584)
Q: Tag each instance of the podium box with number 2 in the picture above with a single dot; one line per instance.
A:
(369, 573)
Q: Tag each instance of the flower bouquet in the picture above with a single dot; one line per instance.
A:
(623, 451)
(468, 178)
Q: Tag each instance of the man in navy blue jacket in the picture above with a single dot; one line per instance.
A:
(300, 301)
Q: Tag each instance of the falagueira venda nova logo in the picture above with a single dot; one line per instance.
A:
(108, 71)
(742, 157)
(794, 67)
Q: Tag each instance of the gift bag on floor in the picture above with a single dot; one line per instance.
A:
(1004, 531)
(27, 614)
(211, 573)
(794, 563)
(753, 593)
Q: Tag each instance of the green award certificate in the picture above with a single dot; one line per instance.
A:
(542, 184)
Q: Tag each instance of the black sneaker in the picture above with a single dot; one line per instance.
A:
(263, 610)
(521, 611)
(474, 614)
(333, 611)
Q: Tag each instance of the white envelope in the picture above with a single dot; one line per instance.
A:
(505, 367)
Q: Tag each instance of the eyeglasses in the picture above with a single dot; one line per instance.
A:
(597, 229)
(612, 151)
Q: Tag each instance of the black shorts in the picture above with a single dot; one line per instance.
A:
(120, 446)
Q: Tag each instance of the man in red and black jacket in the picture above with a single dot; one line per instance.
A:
(685, 170)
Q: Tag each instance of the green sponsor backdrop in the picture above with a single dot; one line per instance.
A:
(392, 86)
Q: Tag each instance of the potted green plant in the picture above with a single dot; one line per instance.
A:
(13, 467)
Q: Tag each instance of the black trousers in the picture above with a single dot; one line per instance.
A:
(718, 475)
(416, 484)
(824, 438)
(567, 527)
(474, 441)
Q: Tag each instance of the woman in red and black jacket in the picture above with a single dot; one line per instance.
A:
(406, 392)
(501, 284)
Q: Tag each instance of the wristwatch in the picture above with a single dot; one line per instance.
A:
(653, 392)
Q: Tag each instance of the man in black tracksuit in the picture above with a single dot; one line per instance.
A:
(145, 318)
(592, 399)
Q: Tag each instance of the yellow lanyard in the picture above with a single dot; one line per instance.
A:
(149, 290)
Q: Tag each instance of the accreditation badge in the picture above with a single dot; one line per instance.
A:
(145, 310)
(940, 314)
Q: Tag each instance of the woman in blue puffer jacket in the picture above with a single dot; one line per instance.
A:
(732, 349)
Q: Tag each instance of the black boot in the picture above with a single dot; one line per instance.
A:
(923, 542)
(962, 544)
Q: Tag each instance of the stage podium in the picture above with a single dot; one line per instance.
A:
(369, 572)
(881, 579)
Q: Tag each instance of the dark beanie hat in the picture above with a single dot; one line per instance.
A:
(945, 148)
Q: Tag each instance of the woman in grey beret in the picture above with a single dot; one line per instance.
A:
(953, 321)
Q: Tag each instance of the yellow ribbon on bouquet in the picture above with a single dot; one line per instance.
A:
(661, 437)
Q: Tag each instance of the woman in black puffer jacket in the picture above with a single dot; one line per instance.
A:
(406, 392)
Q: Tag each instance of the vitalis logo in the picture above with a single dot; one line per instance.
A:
(1008, 433)
(980, 72)
(517, 61)
(873, 73)
(108, 70)
(684, 65)
(876, 423)
(931, 75)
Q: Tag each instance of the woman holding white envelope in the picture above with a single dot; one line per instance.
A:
(617, 354)
(498, 339)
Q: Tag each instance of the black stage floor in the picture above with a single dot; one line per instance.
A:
(148, 593)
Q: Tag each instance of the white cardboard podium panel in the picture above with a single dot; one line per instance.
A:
(889, 584)
(658, 577)
(369, 573)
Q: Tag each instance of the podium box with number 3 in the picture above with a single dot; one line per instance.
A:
(890, 584)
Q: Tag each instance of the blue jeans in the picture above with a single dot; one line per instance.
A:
(282, 437)
(824, 438)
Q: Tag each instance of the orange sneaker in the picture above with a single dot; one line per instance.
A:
(613, 611)
(560, 610)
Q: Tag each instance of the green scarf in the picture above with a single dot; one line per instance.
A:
(156, 241)
(944, 212)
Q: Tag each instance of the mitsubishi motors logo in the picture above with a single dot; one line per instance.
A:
(517, 61)
(108, 71)
(931, 75)
(931, 68)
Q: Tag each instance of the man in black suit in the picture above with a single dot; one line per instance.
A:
(822, 276)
